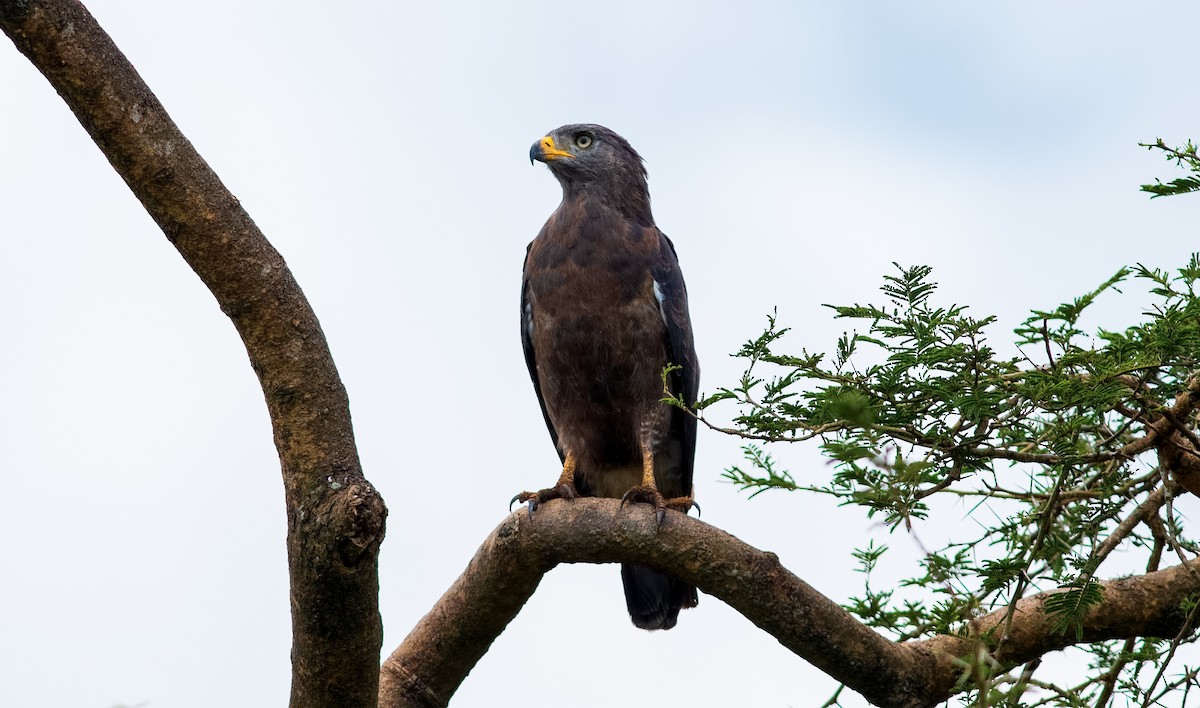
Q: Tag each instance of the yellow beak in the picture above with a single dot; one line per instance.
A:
(546, 151)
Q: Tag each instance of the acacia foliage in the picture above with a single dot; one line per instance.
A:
(1069, 450)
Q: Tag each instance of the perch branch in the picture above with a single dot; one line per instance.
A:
(426, 669)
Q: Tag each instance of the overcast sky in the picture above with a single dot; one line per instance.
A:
(795, 150)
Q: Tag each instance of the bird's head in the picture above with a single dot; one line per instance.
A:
(591, 160)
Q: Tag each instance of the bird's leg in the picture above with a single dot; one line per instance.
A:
(648, 492)
(564, 488)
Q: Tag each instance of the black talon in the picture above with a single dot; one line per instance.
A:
(662, 515)
(532, 501)
(697, 507)
(536, 499)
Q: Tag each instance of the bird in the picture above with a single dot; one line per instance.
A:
(604, 312)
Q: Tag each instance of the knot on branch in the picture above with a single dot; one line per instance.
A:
(354, 516)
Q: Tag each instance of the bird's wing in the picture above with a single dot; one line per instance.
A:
(685, 382)
(527, 345)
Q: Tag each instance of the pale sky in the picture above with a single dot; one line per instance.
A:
(795, 150)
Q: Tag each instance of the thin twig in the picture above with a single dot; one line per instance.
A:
(1175, 643)
(1145, 510)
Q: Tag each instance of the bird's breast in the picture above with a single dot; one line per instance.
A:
(600, 339)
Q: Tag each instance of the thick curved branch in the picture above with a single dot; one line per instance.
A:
(335, 517)
(433, 660)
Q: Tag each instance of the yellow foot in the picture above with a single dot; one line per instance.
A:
(565, 490)
(649, 494)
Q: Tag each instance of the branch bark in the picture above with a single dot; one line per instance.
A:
(427, 668)
(335, 517)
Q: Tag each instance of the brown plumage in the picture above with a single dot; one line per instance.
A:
(603, 311)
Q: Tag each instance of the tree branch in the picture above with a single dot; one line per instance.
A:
(433, 660)
(335, 518)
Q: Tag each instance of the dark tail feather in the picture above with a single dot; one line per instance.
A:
(654, 599)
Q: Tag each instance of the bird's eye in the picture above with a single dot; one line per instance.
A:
(584, 141)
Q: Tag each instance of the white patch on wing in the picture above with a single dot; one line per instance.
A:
(658, 295)
(528, 317)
